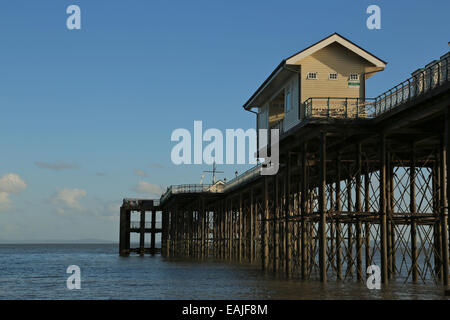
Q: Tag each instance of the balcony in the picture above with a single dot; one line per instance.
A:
(338, 108)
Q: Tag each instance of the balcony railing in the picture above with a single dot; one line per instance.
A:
(423, 80)
(340, 108)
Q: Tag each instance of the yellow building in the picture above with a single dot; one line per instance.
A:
(326, 79)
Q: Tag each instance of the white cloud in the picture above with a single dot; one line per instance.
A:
(5, 202)
(140, 173)
(9, 184)
(69, 198)
(145, 187)
(12, 183)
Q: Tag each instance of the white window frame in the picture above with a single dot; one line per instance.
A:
(353, 77)
(332, 74)
(308, 76)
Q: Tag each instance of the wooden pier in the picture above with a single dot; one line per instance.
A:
(351, 192)
(139, 226)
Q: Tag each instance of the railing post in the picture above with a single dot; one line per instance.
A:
(357, 107)
(346, 108)
(328, 107)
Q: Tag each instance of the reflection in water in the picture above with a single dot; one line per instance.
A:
(39, 272)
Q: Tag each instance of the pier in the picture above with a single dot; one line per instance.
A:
(361, 182)
(141, 226)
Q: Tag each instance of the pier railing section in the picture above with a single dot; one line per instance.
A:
(188, 188)
(422, 81)
(243, 178)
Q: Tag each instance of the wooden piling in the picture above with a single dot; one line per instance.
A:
(287, 217)
(413, 209)
(338, 223)
(265, 229)
(304, 196)
(382, 213)
(322, 212)
(142, 234)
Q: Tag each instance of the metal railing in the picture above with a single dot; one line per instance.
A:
(244, 177)
(423, 80)
(199, 188)
(339, 108)
(188, 188)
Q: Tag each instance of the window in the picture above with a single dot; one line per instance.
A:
(288, 98)
(332, 76)
(354, 77)
(312, 76)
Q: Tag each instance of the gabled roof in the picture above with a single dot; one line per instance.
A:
(295, 58)
(336, 37)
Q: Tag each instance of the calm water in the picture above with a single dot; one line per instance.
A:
(39, 272)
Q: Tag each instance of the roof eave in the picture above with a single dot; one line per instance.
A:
(247, 106)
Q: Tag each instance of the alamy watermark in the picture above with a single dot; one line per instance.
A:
(374, 278)
(190, 148)
(74, 280)
(74, 20)
(374, 20)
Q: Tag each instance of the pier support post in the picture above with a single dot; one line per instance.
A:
(241, 225)
(382, 214)
(265, 231)
(142, 234)
(322, 210)
(350, 263)
(202, 228)
(251, 231)
(367, 209)
(390, 225)
(304, 196)
(124, 237)
(276, 225)
(165, 226)
(287, 217)
(437, 225)
(338, 222)
(412, 208)
(359, 273)
(444, 188)
(153, 234)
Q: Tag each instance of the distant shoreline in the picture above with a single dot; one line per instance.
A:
(57, 242)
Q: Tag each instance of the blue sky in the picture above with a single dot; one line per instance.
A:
(87, 114)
